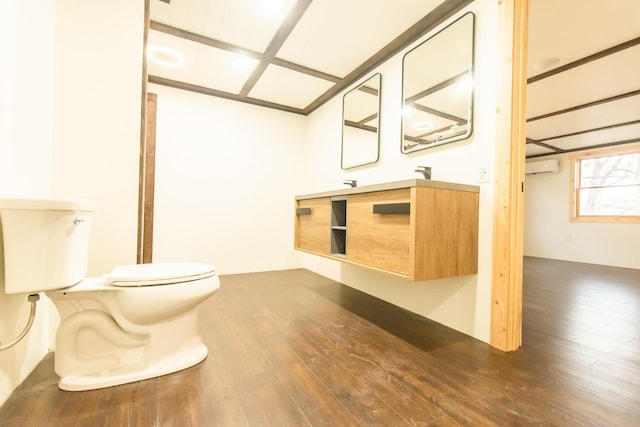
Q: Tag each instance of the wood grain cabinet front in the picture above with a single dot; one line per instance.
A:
(312, 225)
(419, 233)
(416, 232)
(379, 240)
(444, 233)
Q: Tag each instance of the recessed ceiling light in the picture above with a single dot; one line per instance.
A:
(165, 55)
(423, 125)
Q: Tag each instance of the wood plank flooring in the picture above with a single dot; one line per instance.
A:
(292, 348)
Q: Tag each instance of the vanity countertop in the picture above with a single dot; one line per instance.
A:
(407, 183)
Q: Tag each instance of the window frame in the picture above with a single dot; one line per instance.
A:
(574, 162)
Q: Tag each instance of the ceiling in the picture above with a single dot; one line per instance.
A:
(584, 57)
(293, 59)
(583, 86)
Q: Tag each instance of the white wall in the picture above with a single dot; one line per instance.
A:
(26, 106)
(548, 233)
(69, 127)
(26, 100)
(98, 83)
(226, 176)
(462, 303)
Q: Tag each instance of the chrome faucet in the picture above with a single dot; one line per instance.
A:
(424, 170)
(351, 182)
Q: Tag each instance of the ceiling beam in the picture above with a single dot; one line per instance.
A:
(368, 118)
(542, 144)
(453, 80)
(435, 112)
(290, 22)
(361, 126)
(306, 70)
(617, 125)
(590, 147)
(586, 60)
(587, 105)
(218, 44)
(221, 94)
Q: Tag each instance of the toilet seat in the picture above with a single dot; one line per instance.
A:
(155, 274)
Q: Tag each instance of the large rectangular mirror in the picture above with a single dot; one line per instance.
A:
(361, 124)
(437, 88)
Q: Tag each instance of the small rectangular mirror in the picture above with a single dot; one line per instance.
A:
(361, 124)
(437, 88)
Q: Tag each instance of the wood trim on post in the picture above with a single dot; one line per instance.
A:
(143, 131)
(506, 292)
(149, 179)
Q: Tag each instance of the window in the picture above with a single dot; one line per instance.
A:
(606, 186)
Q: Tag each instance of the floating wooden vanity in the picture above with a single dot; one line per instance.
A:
(417, 229)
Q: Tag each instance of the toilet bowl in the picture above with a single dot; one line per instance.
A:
(134, 323)
(138, 325)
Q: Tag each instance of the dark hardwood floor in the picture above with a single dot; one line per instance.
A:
(292, 348)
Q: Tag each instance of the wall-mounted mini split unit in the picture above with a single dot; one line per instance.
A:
(543, 166)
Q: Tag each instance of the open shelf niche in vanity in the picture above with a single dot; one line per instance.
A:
(416, 229)
(339, 226)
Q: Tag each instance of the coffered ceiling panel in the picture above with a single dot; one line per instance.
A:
(612, 75)
(588, 139)
(335, 36)
(301, 88)
(616, 112)
(303, 52)
(250, 24)
(203, 66)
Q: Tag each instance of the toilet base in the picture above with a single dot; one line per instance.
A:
(176, 362)
(99, 344)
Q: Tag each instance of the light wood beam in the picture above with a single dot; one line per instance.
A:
(506, 293)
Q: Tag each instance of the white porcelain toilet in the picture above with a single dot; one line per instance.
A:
(134, 323)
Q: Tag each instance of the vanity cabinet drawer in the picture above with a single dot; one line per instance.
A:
(312, 225)
(379, 233)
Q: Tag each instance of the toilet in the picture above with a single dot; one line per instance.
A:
(133, 323)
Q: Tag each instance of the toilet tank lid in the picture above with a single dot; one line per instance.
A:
(158, 273)
(55, 204)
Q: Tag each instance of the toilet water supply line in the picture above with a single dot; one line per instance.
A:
(33, 299)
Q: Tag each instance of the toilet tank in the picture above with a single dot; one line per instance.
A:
(44, 243)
